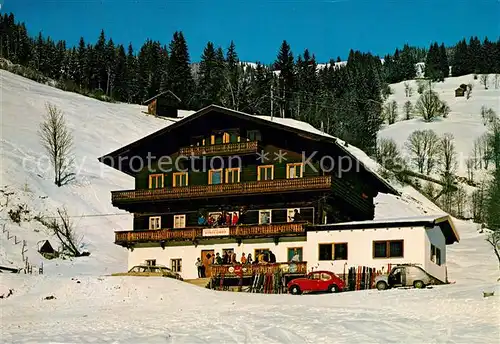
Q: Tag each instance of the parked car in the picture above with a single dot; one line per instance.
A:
(150, 270)
(316, 281)
(405, 275)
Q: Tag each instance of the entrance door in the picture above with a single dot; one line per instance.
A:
(207, 257)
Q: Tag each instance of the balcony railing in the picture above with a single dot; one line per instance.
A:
(230, 270)
(205, 191)
(221, 149)
(192, 234)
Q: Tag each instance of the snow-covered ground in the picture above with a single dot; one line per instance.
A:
(103, 309)
(464, 121)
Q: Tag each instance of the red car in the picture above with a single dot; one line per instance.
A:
(316, 281)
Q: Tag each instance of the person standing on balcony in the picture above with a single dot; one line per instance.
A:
(272, 257)
(235, 218)
(249, 259)
(201, 220)
(243, 259)
(199, 265)
(296, 216)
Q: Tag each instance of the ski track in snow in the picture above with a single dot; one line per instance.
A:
(105, 309)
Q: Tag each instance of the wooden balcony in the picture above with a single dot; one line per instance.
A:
(221, 149)
(214, 190)
(230, 270)
(273, 230)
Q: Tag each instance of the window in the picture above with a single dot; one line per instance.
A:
(155, 222)
(179, 221)
(265, 172)
(340, 251)
(176, 265)
(337, 251)
(295, 170)
(233, 175)
(388, 249)
(215, 176)
(325, 252)
(226, 138)
(264, 216)
(290, 214)
(325, 277)
(294, 254)
(155, 181)
(315, 276)
(435, 255)
(151, 262)
(254, 135)
(197, 141)
(180, 179)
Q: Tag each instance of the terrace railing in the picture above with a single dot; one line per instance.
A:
(126, 238)
(221, 149)
(205, 191)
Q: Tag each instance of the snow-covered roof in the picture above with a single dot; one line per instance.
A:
(444, 221)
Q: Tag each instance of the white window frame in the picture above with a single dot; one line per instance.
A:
(182, 218)
(154, 222)
(270, 215)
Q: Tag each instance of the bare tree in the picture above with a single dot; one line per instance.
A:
(408, 89)
(445, 109)
(408, 109)
(416, 146)
(58, 143)
(478, 204)
(484, 80)
(388, 154)
(428, 106)
(391, 112)
(493, 239)
(431, 145)
(470, 163)
(448, 153)
(460, 201)
(63, 228)
(468, 91)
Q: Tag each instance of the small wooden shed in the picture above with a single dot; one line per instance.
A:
(164, 104)
(460, 92)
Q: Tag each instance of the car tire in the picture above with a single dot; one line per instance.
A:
(382, 285)
(333, 288)
(295, 290)
(419, 284)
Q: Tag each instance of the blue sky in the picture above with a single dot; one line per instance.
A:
(327, 28)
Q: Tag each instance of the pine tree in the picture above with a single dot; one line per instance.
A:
(81, 62)
(179, 70)
(110, 63)
(433, 65)
(460, 64)
(286, 79)
(474, 55)
(444, 65)
(132, 85)
(119, 91)
(100, 61)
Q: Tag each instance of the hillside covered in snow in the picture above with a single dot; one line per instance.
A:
(90, 305)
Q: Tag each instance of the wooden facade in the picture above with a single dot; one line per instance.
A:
(223, 161)
(165, 104)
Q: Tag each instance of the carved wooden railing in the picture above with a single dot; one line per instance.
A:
(234, 270)
(225, 148)
(203, 191)
(191, 234)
